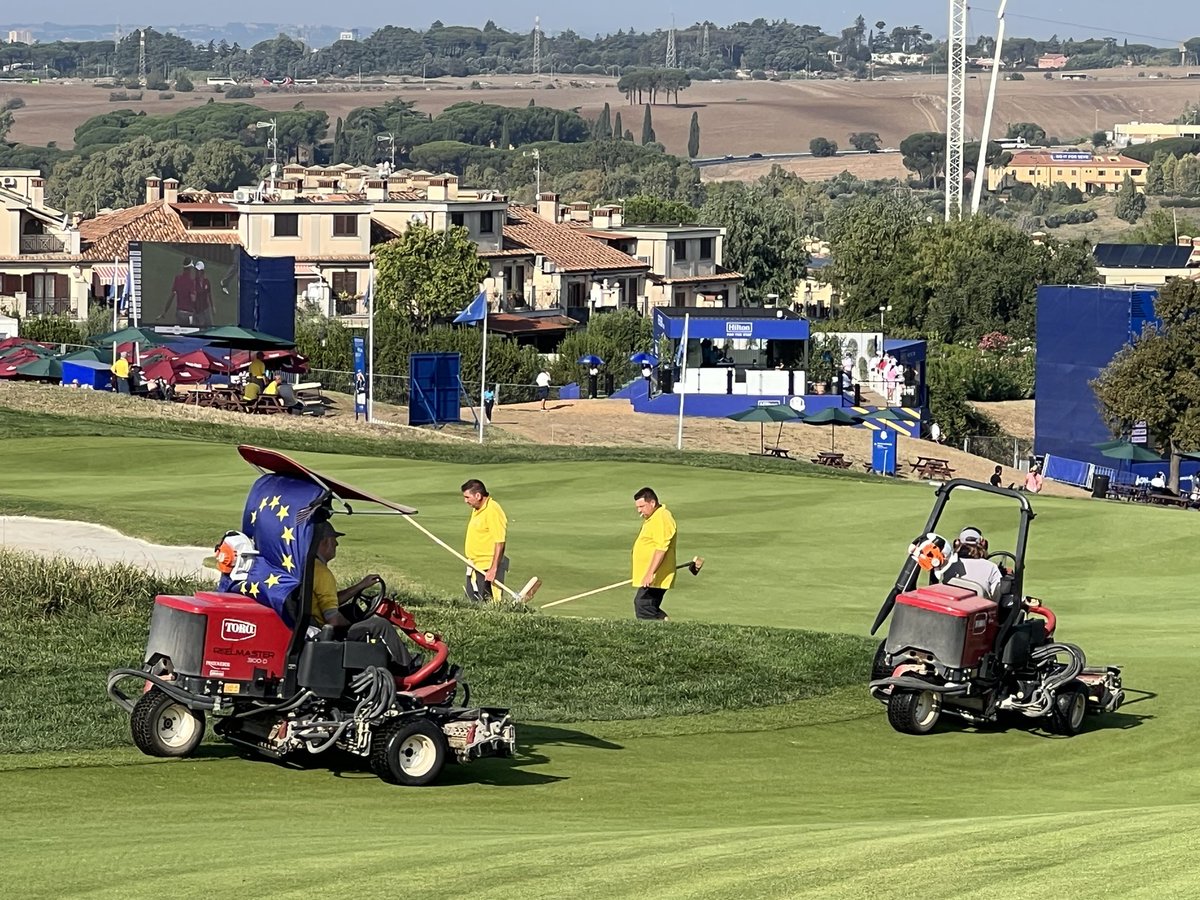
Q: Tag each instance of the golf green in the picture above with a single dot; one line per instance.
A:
(820, 800)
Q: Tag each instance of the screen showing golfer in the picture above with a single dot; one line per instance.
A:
(191, 286)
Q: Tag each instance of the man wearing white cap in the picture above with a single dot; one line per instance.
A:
(202, 296)
(970, 562)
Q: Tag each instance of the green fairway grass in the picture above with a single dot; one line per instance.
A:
(812, 799)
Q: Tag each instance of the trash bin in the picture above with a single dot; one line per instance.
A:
(1100, 486)
(608, 384)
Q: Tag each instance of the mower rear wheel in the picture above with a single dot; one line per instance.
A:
(410, 753)
(1070, 707)
(914, 712)
(162, 726)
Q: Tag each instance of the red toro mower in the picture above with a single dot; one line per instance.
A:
(247, 654)
(955, 647)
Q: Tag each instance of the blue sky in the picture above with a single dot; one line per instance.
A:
(1171, 21)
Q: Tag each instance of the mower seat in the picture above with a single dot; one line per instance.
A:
(970, 585)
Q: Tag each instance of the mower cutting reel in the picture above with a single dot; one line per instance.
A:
(954, 649)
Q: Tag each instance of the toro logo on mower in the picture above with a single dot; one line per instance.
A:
(237, 630)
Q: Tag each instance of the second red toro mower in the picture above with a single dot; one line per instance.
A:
(960, 647)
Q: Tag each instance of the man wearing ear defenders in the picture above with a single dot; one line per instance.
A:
(970, 561)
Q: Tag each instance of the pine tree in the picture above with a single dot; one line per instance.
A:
(694, 136)
(647, 128)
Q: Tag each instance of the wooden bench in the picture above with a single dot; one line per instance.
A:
(834, 460)
(1168, 500)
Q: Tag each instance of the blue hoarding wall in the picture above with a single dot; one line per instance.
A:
(436, 388)
(1080, 329)
(360, 377)
(730, 327)
(268, 295)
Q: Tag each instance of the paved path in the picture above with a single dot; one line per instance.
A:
(86, 542)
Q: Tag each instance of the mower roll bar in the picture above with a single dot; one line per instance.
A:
(907, 579)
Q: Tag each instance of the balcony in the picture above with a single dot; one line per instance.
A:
(42, 243)
(692, 268)
(49, 306)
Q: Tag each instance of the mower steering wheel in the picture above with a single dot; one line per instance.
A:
(365, 603)
(1003, 554)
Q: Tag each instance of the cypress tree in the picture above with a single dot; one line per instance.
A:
(647, 128)
(603, 130)
(555, 136)
(618, 132)
(694, 136)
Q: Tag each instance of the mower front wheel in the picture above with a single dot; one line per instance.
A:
(410, 753)
(1070, 707)
(162, 726)
(914, 712)
(879, 667)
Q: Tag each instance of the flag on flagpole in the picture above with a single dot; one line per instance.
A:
(476, 310)
(369, 292)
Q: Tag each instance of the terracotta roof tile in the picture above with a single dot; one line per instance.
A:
(107, 237)
(569, 250)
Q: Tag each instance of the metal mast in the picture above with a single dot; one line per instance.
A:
(672, 58)
(956, 76)
(537, 45)
(981, 164)
(142, 57)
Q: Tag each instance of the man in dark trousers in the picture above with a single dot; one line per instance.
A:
(653, 556)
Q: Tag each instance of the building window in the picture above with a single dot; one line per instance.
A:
(1059, 172)
(679, 250)
(1032, 171)
(681, 298)
(487, 220)
(456, 219)
(1135, 172)
(706, 248)
(576, 294)
(345, 283)
(1102, 172)
(345, 225)
(288, 225)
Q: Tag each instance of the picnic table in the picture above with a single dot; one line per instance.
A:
(933, 468)
(1126, 491)
(834, 460)
(781, 452)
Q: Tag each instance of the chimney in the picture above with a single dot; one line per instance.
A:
(37, 192)
(437, 189)
(547, 206)
(171, 190)
(376, 188)
(616, 215)
(286, 188)
(581, 211)
(1185, 240)
(601, 217)
(153, 189)
(451, 187)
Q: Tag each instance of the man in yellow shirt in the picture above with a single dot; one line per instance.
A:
(251, 391)
(326, 599)
(258, 369)
(120, 371)
(487, 534)
(653, 556)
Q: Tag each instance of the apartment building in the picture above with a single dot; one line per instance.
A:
(1092, 173)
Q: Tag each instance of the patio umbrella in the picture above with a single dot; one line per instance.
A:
(143, 336)
(10, 364)
(242, 338)
(87, 354)
(45, 369)
(1127, 452)
(644, 359)
(36, 349)
(780, 413)
(1108, 445)
(198, 360)
(1191, 454)
(590, 360)
(833, 416)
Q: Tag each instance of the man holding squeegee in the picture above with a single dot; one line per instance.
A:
(653, 556)
(487, 533)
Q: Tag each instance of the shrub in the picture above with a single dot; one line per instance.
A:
(14, 103)
(157, 84)
(183, 84)
(166, 95)
(1070, 217)
(117, 96)
(239, 92)
(1016, 76)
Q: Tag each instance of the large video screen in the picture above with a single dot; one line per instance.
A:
(188, 286)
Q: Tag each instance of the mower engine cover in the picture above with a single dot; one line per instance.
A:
(212, 635)
(954, 624)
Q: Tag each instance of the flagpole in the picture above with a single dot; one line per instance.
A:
(371, 343)
(116, 262)
(681, 385)
(483, 371)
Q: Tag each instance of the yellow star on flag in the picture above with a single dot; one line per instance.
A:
(274, 501)
(254, 516)
(254, 590)
(282, 513)
(286, 562)
(263, 505)
(243, 587)
(288, 535)
(272, 580)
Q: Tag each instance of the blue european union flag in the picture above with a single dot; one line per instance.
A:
(476, 310)
(278, 518)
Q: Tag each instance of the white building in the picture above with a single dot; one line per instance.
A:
(349, 35)
(23, 36)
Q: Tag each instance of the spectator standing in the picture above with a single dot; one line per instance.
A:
(120, 373)
(543, 387)
(593, 376)
(996, 478)
(258, 369)
(489, 400)
(935, 433)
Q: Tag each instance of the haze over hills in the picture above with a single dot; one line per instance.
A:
(245, 33)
